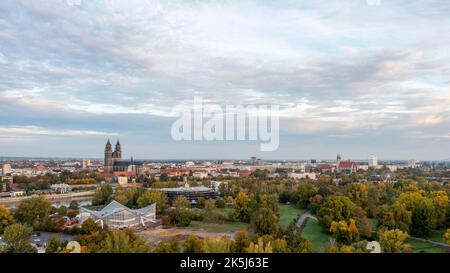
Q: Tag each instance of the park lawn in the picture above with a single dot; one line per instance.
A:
(418, 246)
(437, 236)
(288, 213)
(225, 211)
(219, 227)
(316, 235)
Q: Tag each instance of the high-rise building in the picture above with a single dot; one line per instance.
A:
(373, 161)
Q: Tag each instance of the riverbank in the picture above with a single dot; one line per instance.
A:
(63, 196)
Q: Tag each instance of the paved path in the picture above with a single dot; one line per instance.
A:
(432, 242)
(303, 218)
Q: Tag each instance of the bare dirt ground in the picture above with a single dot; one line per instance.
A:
(157, 234)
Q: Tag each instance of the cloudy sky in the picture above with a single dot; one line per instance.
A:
(360, 77)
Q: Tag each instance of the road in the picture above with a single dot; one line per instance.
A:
(303, 218)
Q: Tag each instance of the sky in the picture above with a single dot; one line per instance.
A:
(355, 77)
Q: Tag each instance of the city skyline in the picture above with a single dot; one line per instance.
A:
(351, 78)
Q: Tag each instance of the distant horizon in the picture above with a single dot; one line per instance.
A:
(215, 159)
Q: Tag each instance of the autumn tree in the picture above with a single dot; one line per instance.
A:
(241, 241)
(243, 207)
(150, 197)
(33, 212)
(335, 208)
(265, 222)
(345, 232)
(218, 245)
(447, 236)
(17, 239)
(259, 247)
(123, 241)
(168, 246)
(103, 195)
(393, 241)
(6, 218)
(304, 192)
(194, 244)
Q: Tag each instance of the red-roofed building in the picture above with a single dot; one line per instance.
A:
(244, 173)
(346, 166)
(324, 168)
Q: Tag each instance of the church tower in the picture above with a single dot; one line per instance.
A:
(118, 151)
(108, 161)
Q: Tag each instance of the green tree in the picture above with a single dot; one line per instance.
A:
(168, 246)
(211, 213)
(243, 207)
(55, 245)
(181, 215)
(33, 212)
(270, 201)
(264, 222)
(121, 196)
(335, 208)
(393, 241)
(6, 218)
(103, 195)
(151, 197)
(305, 191)
(123, 241)
(299, 244)
(17, 239)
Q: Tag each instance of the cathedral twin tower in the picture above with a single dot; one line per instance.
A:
(111, 157)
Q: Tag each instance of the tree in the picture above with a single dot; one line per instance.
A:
(345, 232)
(151, 197)
(441, 203)
(89, 226)
(392, 241)
(168, 246)
(103, 195)
(211, 213)
(299, 244)
(17, 239)
(121, 196)
(123, 241)
(422, 220)
(6, 218)
(259, 247)
(33, 212)
(242, 207)
(73, 205)
(335, 208)
(55, 245)
(181, 215)
(270, 201)
(218, 245)
(305, 191)
(241, 241)
(447, 236)
(264, 222)
(194, 244)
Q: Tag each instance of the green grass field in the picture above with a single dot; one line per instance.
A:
(437, 236)
(316, 234)
(219, 227)
(288, 213)
(419, 246)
